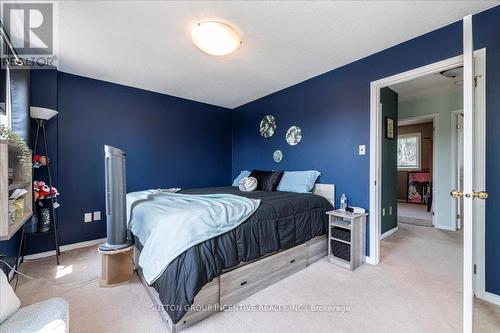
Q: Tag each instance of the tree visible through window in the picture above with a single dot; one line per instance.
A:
(409, 151)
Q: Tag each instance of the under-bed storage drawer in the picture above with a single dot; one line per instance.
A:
(205, 304)
(317, 248)
(240, 283)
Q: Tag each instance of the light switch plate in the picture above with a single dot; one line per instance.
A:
(87, 217)
(362, 149)
(97, 215)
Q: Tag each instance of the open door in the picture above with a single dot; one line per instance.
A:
(470, 194)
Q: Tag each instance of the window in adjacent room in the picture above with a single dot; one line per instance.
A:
(409, 151)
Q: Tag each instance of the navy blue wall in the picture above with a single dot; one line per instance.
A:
(170, 142)
(487, 34)
(334, 113)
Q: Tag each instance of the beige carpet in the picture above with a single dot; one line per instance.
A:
(416, 288)
(414, 214)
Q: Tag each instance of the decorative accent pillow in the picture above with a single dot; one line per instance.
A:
(9, 303)
(248, 184)
(244, 173)
(298, 181)
(267, 180)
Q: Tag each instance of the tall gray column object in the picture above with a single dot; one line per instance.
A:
(116, 201)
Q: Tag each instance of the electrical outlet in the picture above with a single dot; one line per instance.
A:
(383, 211)
(390, 210)
(97, 215)
(87, 217)
(362, 149)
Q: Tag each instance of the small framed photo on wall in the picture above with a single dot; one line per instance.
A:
(389, 128)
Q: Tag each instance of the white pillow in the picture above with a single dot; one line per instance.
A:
(248, 184)
(9, 303)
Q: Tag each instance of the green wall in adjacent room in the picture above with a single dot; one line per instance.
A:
(389, 100)
(443, 105)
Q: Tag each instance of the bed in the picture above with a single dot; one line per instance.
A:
(285, 234)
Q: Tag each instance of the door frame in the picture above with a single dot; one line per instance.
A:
(434, 117)
(376, 137)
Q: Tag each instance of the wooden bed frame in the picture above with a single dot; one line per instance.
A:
(244, 280)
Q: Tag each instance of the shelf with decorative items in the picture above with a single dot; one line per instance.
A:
(44, 221)
(15, 183)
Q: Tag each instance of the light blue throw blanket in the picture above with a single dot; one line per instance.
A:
(167, 224)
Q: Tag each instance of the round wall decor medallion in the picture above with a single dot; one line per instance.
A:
(267, 126)
(293, 135)
(277, 155)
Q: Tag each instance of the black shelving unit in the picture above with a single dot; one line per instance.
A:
(53, 230)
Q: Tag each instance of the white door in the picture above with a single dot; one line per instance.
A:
(471, 195)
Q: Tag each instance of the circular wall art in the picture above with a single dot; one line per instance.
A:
(277, 156)
(293, 135)
(267, 126)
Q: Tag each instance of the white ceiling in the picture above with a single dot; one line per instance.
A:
(147, 44)
(431, 85)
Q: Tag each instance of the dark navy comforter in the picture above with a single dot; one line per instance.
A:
(283, 220)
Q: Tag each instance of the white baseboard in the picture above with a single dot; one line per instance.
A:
(445, 227)
(388, 233)
(67, 247)
(490, 297)
(370, 261)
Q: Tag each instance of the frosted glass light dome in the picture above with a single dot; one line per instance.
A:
(42, 113)
(215, 38)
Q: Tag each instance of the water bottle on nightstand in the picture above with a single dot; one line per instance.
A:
(343, 202)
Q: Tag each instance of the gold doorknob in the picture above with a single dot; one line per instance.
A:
(456, 194)
(480, 195)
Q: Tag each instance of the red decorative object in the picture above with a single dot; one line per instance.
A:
(43, 191)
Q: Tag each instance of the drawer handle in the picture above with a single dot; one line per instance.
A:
(243, 283)
(292, 261)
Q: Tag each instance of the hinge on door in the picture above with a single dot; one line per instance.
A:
(375, 183)
(432, 213)
(475, 82)
(458, 216)
(475, 269)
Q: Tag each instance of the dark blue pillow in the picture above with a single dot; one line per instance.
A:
(267, 180)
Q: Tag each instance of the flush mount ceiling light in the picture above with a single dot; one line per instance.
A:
(215, 38)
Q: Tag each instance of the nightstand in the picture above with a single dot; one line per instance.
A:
(117, 267)
(346, 238)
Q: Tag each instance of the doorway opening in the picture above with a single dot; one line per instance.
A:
(383, 126)
(378, 133)
(416, 168)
